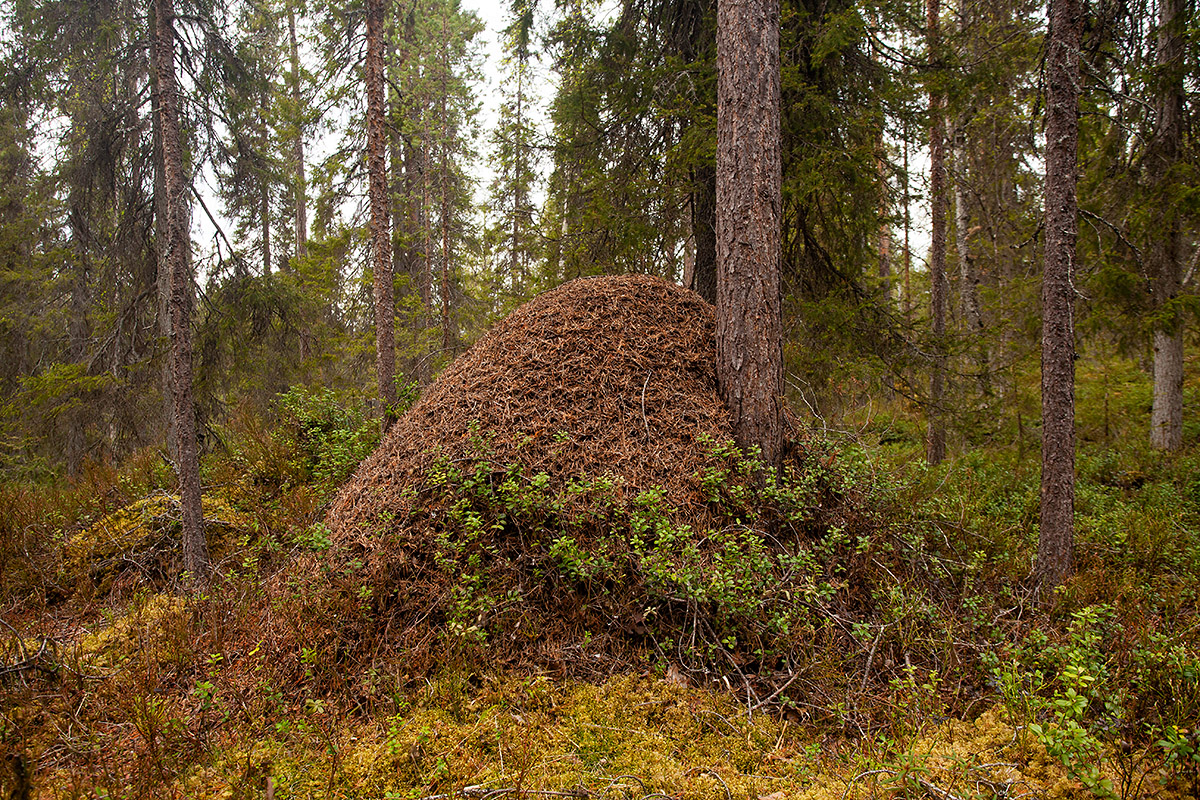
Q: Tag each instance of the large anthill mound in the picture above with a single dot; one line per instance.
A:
(607, 376)
(566, 493)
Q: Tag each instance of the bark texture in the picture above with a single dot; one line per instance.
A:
(935, 437)
(968, 273)
(1166, 417)
(749, 322)
(704, 219)
(1056, 539)
(264, 191)
(173, 259)
(162, 277)
(449, 337)
(380, 227)
(300, 187)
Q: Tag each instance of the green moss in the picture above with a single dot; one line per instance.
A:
(145, 532)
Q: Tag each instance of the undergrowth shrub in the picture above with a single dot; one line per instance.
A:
(315, 440)
(821, 570)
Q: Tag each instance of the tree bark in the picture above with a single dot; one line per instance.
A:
(300, 188)
(749, 321)
(935, 438)
(380, 227)
(968, 274)
(78, 332)
(264, 192)
(885, 225)
(449, 338)
(1057, 534)
(906, 305)
(427, 252)
(162, 276)
(1166, 417)
(704, 217)
(173, 258)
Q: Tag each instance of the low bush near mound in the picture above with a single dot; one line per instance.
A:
(566, 496)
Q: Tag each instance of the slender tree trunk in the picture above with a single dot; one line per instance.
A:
(448, 337)
(704, 218)
(427, 252)
(78, 334)
(935, 439)
(173, 258)
(264, 191)
(162, 273)
(885, 228)
(517, 272)
(1166, 417)
(968, 273)
(401, 201)
(300, 187)
(381, 242)
(749, 320)
(1056, 540)
(906, 306)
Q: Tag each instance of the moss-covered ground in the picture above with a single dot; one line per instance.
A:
(950, 679)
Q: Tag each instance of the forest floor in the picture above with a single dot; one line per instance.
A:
(930, 670)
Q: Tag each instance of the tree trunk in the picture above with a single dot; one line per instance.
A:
(1056, 539)
(906, 305)
(380, 228)
(300, 188)
(1166, 418)
(749, 321)
(162, 274)
(935, 439)
(885, 225)
(968, 274)
(426, 254)
(449, 342)
(972, 316)
(264, 190)
(78, 333)
(704, 217)
(173, 258)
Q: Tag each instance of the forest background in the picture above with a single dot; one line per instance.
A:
(621, 180)
(892, 112)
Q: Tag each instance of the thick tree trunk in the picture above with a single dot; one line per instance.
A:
(380, 228)
(1166, 418)
(749, 321)
(300, 187)
(1056, 540)
(935, 438)
(173, 258)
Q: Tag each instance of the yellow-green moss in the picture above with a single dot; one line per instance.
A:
(131, 534)
(158, 620)
(631, 736)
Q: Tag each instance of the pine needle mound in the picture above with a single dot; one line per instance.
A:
(601, 376)
(566, 495)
